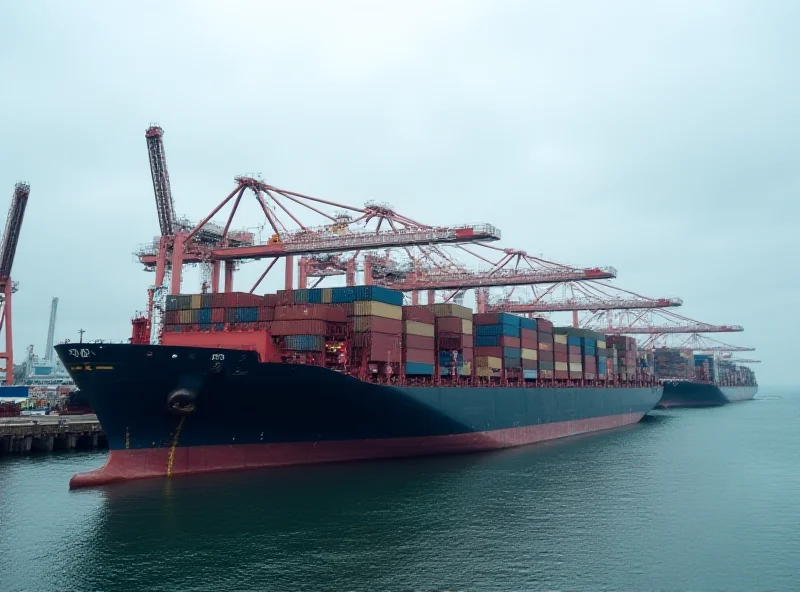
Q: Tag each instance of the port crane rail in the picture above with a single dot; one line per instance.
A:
(8, 251)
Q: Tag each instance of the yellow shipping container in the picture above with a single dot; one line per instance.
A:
(378, 309)
(466, 327)
(197, 301)
(452, 310)
(185, 316)
(327, 295)
(530, 354)
(484, 372)
(562, 366)
(466, 369)
(488, 362)
(560, 338)
(601, 344)
(417, 328)
(573, 367)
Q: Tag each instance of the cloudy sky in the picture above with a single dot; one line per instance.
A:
(657, 137)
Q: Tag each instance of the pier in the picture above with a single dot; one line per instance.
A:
(46, 433)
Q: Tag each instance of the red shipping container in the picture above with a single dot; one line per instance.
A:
(218, 300)
(528, 334)
(529, 364)
(544, 326)
(486, 318)
(574, 350)
(545, 346)
(448, 324)
(171, 317)
(373, 324)
(497, 352)
(466, 354)
(284, 298)
(589, 363)
(423, 356)
(419, 342)
(419, 313)
(545, 338)
(529, 343)
(507, 341)
(560, 348)
(376, 347)
(574, 359)
(451, 340)
(466, 340)
(561, 357)
(299, 327)
(271, 300)
(217, 315)
(546, 356)
(265, 313)
(561, 374)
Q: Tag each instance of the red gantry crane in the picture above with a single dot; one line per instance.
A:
(593, 297)
(8, 249)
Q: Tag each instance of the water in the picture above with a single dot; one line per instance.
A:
(688, 499)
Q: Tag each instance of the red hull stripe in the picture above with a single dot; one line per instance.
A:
(124, 465)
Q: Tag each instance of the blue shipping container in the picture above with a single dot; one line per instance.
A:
(512, 352)
(17, 391)
(378, 294)
(501, 329)
(506, 318)
(573, 340)
(487, 340)
(343, 295)
(512, 362)
(305, 342)
(526, 323)
(530, 374)
(602, 370)
(204, 315)
(419, 369)
(244, 314)
(205, 326)
(589, 342)
(315, 296)
(589, 351)
(172, 302)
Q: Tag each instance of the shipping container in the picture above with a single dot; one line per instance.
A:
(560, 348)
(299, 327)
(512, 362)
(466, 326)
(546, 356)
(419, 369)
(561, 366)
(529, 354)
(546, 365)
(419, 313)
(419, 342)
(496, 318)
(417, 328)
(528, 343)
(545, 346)
(495, 362)
(452, 310)
(530, 364)
(500, 329)
(449, 324)
(574, 350)
(319, 312)
(452, 340)
(424, 356)
(528, 334)
(376, 324)
(377, 294)
(560, 338)
(304, 342)
(560, 356)
(544, 326)
(548, 374)
(530, 374)
(377, 309)
(527, 324)
(495, 352)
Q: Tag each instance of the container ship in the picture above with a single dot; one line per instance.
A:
(240, 381)
(701, 380)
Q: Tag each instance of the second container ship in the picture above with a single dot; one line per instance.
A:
(701, 380)
(307, 376)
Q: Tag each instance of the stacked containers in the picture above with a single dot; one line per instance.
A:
(376, 322)
(544, 330)
(307, 327)
(602, 358)
(217, 312)
(498, 345)
(419, 341)
(454, 340)
(673, 363)
(624, 360)
(560, 353)
(704, 368)
(529, 348)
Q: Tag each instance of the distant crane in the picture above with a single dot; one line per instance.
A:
(8, 249)
(51, 331)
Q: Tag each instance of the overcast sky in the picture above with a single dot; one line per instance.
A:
(657, 137)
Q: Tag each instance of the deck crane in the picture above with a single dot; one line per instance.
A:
(591, 297)
(8, 249)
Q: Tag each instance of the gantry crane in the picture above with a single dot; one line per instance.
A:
(8, 249)
(51, 331)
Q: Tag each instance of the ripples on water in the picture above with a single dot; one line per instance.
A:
(687, 499)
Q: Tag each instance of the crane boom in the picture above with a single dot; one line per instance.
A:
(161, 186)
(583, 304)
(453, 280)
(8, 247)
(662, 330)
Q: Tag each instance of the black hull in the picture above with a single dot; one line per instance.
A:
(686, 393)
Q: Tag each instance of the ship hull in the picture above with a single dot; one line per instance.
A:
(239, 413)
(685, 393)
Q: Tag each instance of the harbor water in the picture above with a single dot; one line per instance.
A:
(703, 499)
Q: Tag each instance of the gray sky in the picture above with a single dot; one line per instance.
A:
(656, 137)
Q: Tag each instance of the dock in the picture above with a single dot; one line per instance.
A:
(46, 433)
